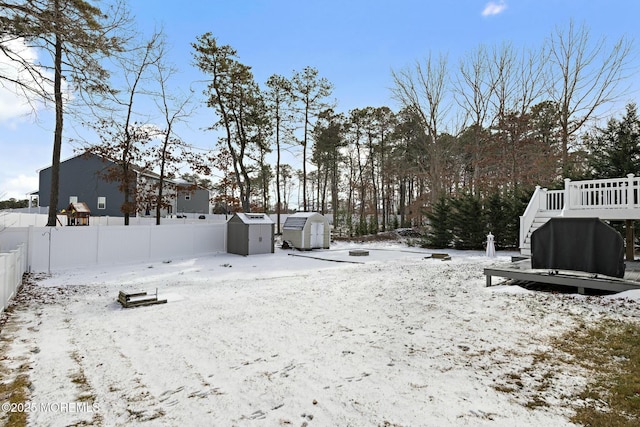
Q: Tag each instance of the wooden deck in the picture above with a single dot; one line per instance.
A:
(522, 271)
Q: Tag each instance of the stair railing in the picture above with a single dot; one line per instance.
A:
(538, 201)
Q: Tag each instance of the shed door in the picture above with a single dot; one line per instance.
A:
(317, 235)
(259, 239)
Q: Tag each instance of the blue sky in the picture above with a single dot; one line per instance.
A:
(353, 43)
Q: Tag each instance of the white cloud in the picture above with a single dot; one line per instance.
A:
(494, 8)
(18, 187)
(14, 104)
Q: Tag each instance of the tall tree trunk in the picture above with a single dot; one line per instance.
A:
(278, 198)
(57, 135)
(334, 193)
(304, 157)
(403, 201)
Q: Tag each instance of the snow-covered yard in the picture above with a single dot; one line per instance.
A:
(398, 340)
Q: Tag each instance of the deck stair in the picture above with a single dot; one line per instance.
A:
(607, 199)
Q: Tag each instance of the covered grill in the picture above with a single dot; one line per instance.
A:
(579, 244)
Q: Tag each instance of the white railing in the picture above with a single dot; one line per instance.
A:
(554, 200)
(616, 198)
(543, 200)
(13, 265)
(526, 220)
(615, 193)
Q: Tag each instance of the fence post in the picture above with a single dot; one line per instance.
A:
(16, 275)
(23, 257)
(4, 282)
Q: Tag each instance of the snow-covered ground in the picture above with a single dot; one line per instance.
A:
(392, 339)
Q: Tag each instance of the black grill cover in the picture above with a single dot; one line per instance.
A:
(579, 244)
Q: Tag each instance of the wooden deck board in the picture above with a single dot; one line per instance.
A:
(522, 270)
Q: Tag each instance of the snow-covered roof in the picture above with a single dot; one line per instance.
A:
(254, 218)
(304, 214)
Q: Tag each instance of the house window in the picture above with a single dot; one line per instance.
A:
(102, 202)
(73, 199)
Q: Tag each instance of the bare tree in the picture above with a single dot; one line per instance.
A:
(128, 131)
(474, 88)
(584, 75)
(423, 90)
(173, 109)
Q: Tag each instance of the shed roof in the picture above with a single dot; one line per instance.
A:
(295, 223)
(304, 214)
(298, 220)
(254, 218)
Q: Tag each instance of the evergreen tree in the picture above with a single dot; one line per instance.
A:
(468, 224)
(615, 151)
(439, 234)
(237, 101)
(497, 210)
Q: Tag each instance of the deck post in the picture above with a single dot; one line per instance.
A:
(567, 195)
(630, 249)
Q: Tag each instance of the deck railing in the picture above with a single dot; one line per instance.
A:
(616, 198)
(554, 199)
(615, 193)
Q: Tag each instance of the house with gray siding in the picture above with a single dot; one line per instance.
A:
(82, 180)
(192, 199)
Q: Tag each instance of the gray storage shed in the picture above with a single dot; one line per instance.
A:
(307, 230)
(250, 234)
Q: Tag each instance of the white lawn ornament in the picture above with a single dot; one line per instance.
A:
(491, 247)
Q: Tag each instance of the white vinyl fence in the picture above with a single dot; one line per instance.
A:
(21, 219)
(59, 248)
(13, 264)
(13, 218)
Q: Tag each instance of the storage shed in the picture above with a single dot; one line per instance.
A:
(250, 234)
(307, 230)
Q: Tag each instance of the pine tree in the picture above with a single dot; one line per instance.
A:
(468, 224)
(615, 151)
(497, 210)
(439, 234)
